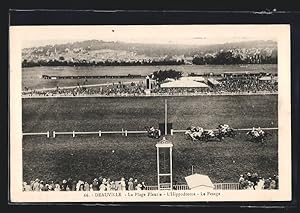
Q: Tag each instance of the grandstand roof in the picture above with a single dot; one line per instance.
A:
(213, 81)
(184, 84)
(268, 78)
(193, 78)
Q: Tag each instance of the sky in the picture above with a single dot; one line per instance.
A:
(160, 34)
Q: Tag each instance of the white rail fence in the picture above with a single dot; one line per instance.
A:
(241, 129)
(99, 133)
(226, 186)
(122, 132)
(217, 186)
(37, 133)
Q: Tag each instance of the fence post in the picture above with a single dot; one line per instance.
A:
(48, 134)
(171, 131)
(122, 131)
(99, 133)
(53, 134)
(159, 132)
(73, 134)
(126, 132)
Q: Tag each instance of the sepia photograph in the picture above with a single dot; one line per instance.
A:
(150, 113)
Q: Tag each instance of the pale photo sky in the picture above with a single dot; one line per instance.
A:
(159, 34)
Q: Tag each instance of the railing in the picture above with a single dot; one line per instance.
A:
(123, 132)
(181, 187)
(151, 188)
(165, 186)
(226, 186)
(99, 133)
(145, 95)
(217, 186)
(36, 133)
(241, 129)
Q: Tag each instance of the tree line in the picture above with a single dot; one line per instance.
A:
(28, 63)
(227, 57)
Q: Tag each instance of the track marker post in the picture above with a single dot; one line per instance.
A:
(100, 133)
(54, 134)
(73, 134)
(166, 117)
(172, 133)
(48, 134)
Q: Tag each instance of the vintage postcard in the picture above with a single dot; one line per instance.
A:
(150, 113)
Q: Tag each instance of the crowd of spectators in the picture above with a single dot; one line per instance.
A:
(181, 91)
(97, 184)
(246, 84)
(115, 89)
(255, 182)
(242, 84)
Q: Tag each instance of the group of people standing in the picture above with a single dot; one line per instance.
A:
(255, 182)
(97, 184)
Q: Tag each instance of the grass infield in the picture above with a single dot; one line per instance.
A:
(115, 156)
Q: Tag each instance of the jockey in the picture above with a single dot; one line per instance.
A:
(199, 129)
(254, 132)
(260, 131)
(224, 128)
(210, 133)
(193, 129)
(152, 129)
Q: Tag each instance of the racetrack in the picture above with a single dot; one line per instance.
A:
(134, 113)
(87, 157)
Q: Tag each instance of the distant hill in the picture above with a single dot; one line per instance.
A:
(97, 52)
(156, 50)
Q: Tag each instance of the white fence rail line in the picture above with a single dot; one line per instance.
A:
(242, 129)
(136, 132)
(123, 132)
(217, 186)
(36, 133)
(226, 186)
(249, 129)
(100, 133)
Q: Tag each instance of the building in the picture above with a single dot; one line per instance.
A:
(184, 84)
(213, 82)
(193, 78)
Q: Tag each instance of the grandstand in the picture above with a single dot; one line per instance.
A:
(213, 82)
(90, 76)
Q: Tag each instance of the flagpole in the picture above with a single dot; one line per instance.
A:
(166, 116)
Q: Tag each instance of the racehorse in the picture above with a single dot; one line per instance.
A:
(256, 137)
(231, 133)
(193, 135)
(226, 131)
(210, 134)
(152, 132)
